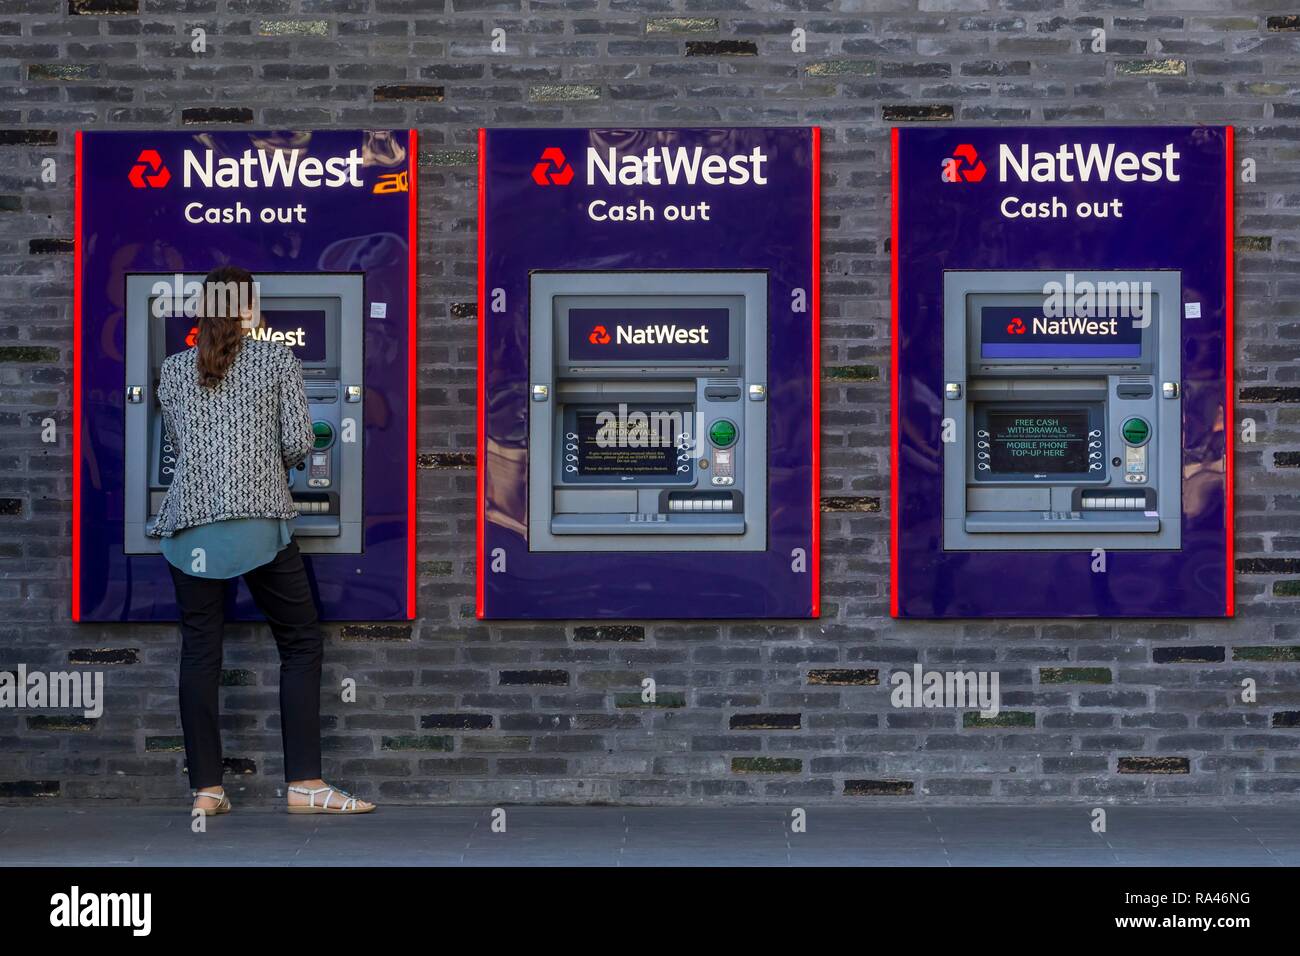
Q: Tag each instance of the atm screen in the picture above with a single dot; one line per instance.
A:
(1038, 441)
(303, 330)
(1025, 333)
(675, 335)
(610, 445)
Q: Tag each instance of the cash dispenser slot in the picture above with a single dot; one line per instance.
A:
(614, 393)
(1034, 389)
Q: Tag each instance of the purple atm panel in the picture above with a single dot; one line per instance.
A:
(1062, 372)
(325, 221)
(648, 408)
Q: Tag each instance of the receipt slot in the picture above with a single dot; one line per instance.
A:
(648, 374)
(648, 419)
(319, 317)
(1061, 438)
(1067, 428)
(325, 221)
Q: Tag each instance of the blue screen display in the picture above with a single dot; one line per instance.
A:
(1025, 333)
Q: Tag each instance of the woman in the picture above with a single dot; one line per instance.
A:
(236, 409)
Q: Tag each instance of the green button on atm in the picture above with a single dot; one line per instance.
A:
(1135, 431)
(723, 433)
(323, 434)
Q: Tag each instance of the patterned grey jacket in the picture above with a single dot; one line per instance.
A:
(234, 442)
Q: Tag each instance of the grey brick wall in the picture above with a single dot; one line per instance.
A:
(450, 709)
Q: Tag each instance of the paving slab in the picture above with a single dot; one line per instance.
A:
(123, 835)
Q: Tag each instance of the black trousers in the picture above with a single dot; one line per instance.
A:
(281, 591)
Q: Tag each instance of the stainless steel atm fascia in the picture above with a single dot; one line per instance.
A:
(1165, 367)
(348, 291)
(545, 288)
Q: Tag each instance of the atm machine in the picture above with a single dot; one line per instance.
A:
(1067, 426)
(648, 411)
(647, 374)
(319, 316)
(336, 270)
(1062, 425)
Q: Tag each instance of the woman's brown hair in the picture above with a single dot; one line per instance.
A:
(228, 291)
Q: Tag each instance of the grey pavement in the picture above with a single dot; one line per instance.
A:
(114, 835)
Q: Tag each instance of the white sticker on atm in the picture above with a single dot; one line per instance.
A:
(378, 310)
(1191, 310)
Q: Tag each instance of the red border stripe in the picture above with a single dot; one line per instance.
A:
(76, 385)
(1229, 363)
(481, 504)
(894, 373)
(412, 360)
(816, 369)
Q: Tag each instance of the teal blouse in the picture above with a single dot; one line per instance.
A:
(226, 549)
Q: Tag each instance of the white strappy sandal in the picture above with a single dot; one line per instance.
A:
(349, 803)
(223, 803)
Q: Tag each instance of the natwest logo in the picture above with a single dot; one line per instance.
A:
(599, 336)
(295, 338)
(664, 165)
(661, 335)
(1074, 326)
(149, 171)
(964, 165)
(266, 169)
(1074, 162)
(1068, 163)
(1016, 326)
(553, 169)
